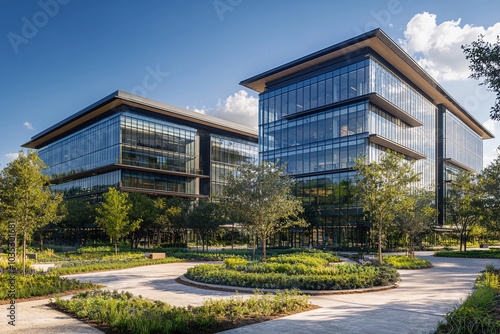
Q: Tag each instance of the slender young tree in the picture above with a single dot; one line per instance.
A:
(169, 216)
(26, 197)
(382, 188)
(113, 216)
(141, 208)
(489, 181)
(416, 217)
(465, 204)
(205, 218)
(261, 195)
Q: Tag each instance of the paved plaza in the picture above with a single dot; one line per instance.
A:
(415, 307)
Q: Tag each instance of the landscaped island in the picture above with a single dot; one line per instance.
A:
(309, 270)
(124, 313)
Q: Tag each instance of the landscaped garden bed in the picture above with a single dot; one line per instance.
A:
(405, 262)
(484, 254)
(305, 271)
(480, 312)
(115, 312)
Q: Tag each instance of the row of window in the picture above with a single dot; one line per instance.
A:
(160, 182)
(159, 160)
(337, 122)
(340, 84)
(93, 147)
(463, 144)
(89, 184)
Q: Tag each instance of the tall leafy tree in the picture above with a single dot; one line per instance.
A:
(26, 197)
(484, 58)
(261, 195)
(113, 215)
(416, 217)
(205, 218)
(465, 204)
(382, 188)
(490, 185)
(169, 216)
(142, 209)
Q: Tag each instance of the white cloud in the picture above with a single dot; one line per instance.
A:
(490, 125)
(437, 48)
(12, 156)
(28, 125)
(239, 108)
(489, 157)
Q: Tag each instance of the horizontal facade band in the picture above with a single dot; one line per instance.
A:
(382, 141)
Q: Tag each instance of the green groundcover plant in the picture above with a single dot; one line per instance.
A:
(124, 313)
(313, 271)
(405, 262)
(485, 254)
(479, 312)
(36, 284)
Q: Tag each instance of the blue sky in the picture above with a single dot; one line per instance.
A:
(59, 56)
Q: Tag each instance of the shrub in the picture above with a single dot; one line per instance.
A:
(173, 245)
(476, 314)
(405, 262)
(38, 284)
(127, 314)
(485, 254)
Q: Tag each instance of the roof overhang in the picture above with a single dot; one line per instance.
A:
(382, 141)
(123, 98)
(385, 47)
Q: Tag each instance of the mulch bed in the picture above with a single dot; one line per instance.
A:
(224, 325)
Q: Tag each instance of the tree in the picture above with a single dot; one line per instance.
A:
(204, 217)
(26, 197)
(169, 216)
(416, 217)
(484, 58)
(113, 216)
(382, 188)
(489, 182)
(261, 196)
(79, 215)
(464, 204)
(142, 209)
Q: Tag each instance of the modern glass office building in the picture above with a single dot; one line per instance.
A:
(141, 145)
(359, 98)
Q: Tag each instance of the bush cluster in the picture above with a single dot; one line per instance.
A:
(126, 314)
(308, 273)
(36, 284)
(485, 254)
(477, 313)
(405, 262)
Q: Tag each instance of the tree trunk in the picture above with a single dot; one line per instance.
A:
(263, 249)
(232, 237)
(461, 240)
(253, 247)
(116, 248)
(41, 241)
(159, 237)
(15, 244)
(24, 253)
(380, 243)
(465, 242)
(132, 237)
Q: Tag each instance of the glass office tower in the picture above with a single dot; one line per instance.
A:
(357, 99)
(140, 145)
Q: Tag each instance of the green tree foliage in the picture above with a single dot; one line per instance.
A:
(25, 196)
(113, 215)
(490, 185)
(484, 58)
(382, 188)
(79, 214)
(169, 216)
(465, 204)
(261, 196)
(142, 209)
(205, 218)
(416, 217)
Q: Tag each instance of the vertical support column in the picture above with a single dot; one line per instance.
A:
(440, 152)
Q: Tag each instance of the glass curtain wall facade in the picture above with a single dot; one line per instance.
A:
(320, 147)
(226, 154)
(132, 150)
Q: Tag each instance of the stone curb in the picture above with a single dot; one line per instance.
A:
(183, 280)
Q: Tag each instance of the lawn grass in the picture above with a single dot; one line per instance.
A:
(124, 313)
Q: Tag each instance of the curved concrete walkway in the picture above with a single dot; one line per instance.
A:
(415, 307)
